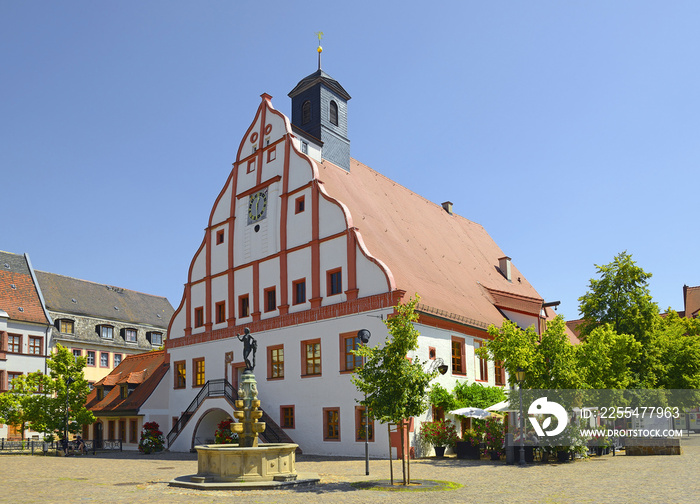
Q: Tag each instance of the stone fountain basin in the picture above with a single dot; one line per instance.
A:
(229, 462)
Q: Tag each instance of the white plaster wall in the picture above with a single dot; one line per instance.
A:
(177, 327)
(219, 252)
(308, 395)
(223, 207)
(243, 282)
(334, 255)
(299, 170)
(199, 268)
(299, 224)
(331, 219)
(198, 296)
(247, 145)
(298, 267)
(269, 277)
(370, 277)
(219, 292)
(278, 124)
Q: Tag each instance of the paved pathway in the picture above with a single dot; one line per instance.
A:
(136, 478)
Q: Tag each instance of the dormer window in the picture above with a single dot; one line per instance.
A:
(100, 393)
(130, 335)
(333, 113)
(155, 338)
(66, 326)
(107, 332)
(124, 391)
(305, 112)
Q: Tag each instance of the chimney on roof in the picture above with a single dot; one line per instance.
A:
(447, 205)
(504, 266)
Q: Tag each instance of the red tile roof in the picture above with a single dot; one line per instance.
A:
(19, 296)
(445, 258)
(143, 370)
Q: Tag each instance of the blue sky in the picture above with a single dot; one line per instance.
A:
(569, 130)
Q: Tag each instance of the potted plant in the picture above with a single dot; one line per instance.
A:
(151, 438)
(441, 434)
(223, 434)
(494, 438)
(469, 446)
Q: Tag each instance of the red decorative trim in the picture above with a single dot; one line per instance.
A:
(376, 302)
(268, 129)
(254, 137)
(259, 186)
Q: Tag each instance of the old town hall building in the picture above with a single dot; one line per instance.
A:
(305, 246)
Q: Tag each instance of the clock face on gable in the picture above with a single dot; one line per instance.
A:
(257, 206)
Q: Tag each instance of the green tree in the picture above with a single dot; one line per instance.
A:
(604, 359)
(677, 345)
(52, 403)
(20, 404)
(67, 391)
(394, 384)
(621, 298)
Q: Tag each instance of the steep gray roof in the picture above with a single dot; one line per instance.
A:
(80, 297)
(319, 76)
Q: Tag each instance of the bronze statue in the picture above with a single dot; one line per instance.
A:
(249, 344)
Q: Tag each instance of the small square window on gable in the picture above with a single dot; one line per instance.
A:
(299, 204)
(270, 299)
(271, 154)
(243, 306)
(220, 237)
(199, 316)
(251, 165)
(299, 291)
(334, 282)
(220, 312)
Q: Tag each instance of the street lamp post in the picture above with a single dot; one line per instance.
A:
(69, 380)
(363, 336)
(520, 377)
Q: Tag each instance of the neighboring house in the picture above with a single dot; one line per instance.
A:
(117, 399)
(306, 246)
(25, 326)
(101, 322)
(691, 302)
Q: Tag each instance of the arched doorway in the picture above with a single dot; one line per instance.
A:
(204, 431)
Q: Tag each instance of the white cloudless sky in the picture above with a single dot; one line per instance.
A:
(569, 130)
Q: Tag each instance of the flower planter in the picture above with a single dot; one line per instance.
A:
(439, 451)
(563, 456)
(495, 455)
(465, 450)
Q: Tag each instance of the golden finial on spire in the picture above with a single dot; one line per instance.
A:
(319, 49)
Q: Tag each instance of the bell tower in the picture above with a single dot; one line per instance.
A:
(320, 109)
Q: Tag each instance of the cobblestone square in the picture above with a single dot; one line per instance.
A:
(134, 477)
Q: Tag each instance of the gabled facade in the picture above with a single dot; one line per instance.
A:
(117, 399)
(25, 327)
(305, 252)
(101, 322)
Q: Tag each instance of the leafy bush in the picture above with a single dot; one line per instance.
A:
(494, 435)
(440, 433)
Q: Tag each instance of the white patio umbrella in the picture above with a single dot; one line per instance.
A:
(471, 413)
(501, 406)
